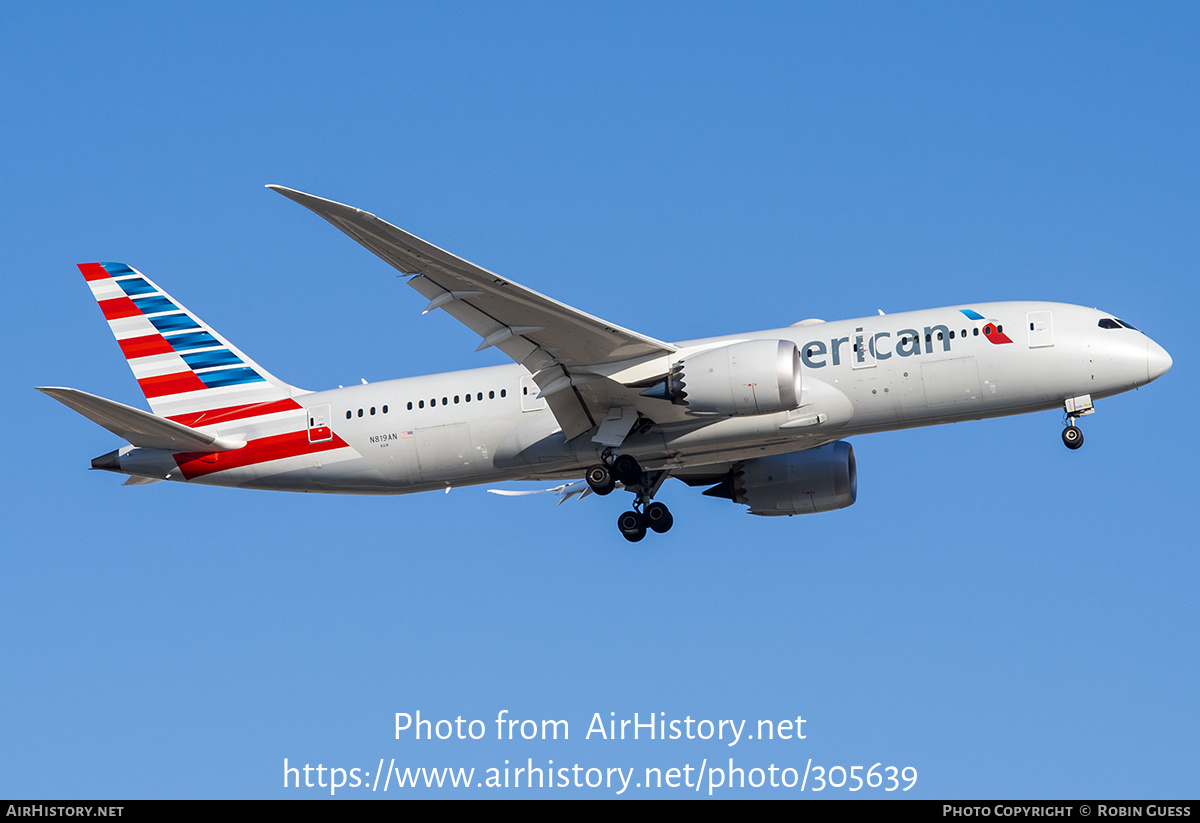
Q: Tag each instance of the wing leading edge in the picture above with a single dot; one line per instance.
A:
(553, 341)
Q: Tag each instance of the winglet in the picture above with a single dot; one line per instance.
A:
(311, 201)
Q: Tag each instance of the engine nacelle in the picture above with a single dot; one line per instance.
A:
(751, 377)
(817, 480)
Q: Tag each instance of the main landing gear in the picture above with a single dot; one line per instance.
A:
(602, 479)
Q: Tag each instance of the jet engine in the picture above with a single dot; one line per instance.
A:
(817, 480)
(751, 377)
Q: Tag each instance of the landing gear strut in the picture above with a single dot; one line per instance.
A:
(624, 469)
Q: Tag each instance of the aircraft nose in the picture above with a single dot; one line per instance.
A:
(1157, 361)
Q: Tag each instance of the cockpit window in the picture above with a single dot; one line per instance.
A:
(1112, 323)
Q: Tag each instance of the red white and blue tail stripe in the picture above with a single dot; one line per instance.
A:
(188, 372)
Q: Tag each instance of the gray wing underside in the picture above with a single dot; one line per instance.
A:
(550, 339)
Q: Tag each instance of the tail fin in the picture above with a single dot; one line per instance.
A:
(188, 372)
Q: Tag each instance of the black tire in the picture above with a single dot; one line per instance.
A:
(632, 527)
(1072, 437)
(626, 469)
(600, 480)
(658, 518)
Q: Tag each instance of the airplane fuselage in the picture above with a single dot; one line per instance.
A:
(859, 376)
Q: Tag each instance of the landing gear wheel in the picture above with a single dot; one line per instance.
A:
(632, 527)
(600, 480)
(626, 469)
(658, 518)
(1072, 437)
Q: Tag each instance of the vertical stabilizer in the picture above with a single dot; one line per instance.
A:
(188, 372)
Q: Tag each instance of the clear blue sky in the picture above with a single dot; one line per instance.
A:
(1009, 618)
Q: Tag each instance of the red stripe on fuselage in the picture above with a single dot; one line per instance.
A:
(171, 384)
(93, 271)
(119, 307)
(994, 335)
(275, 447)
(214, 416)
(144, 346)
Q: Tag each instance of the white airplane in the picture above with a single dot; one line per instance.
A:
(759, 417)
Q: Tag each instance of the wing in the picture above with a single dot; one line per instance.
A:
(559, 345)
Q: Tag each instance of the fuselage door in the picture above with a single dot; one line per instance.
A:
(529, 392)
(1041, 329)
(862, 352)
(318, 424)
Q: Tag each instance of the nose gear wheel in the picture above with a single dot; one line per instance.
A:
(1072, 437)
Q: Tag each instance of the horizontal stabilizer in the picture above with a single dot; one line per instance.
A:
(138, 427)
(135, 480)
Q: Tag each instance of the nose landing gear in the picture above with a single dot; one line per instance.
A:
(646, 515)
(1075, 407)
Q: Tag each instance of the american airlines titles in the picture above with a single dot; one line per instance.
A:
(868, 346)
